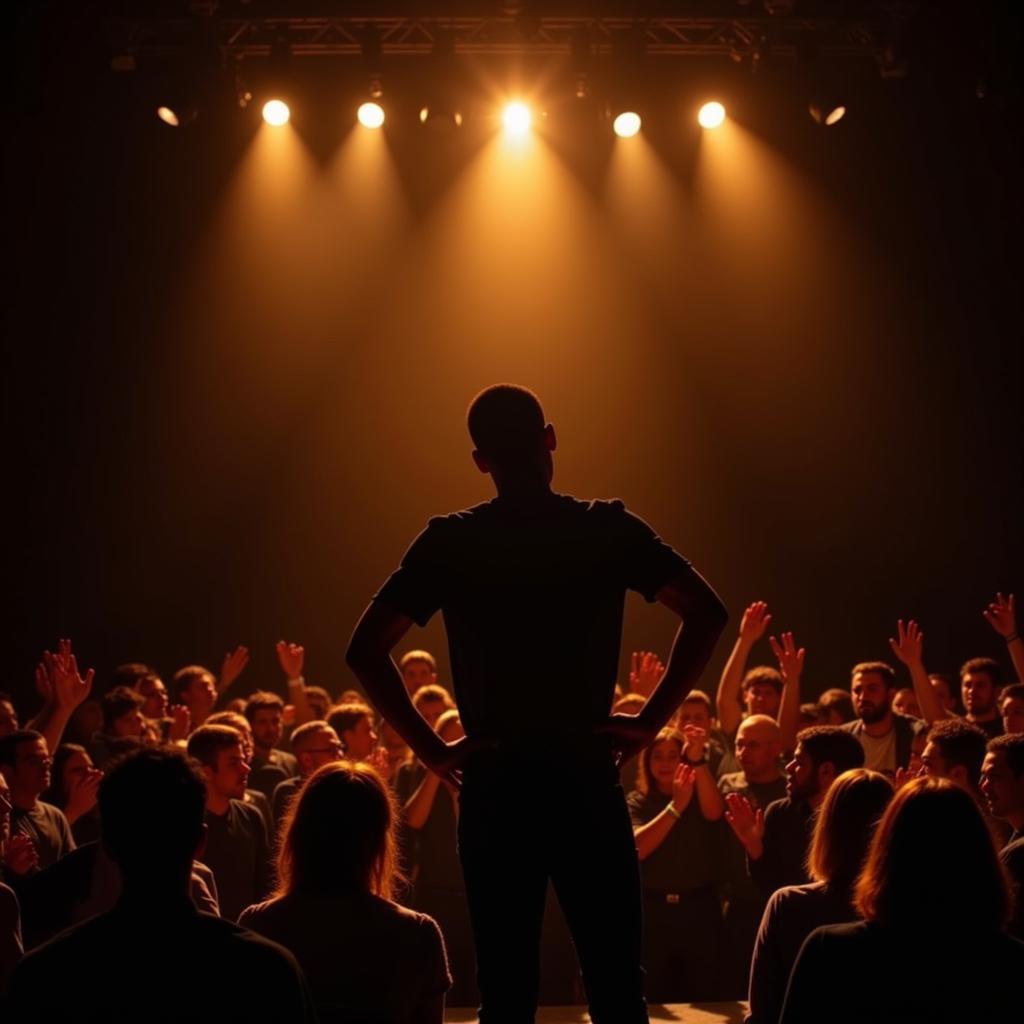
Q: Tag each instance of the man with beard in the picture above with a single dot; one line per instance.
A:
(776, 839)
(885, 735)
(980, 680)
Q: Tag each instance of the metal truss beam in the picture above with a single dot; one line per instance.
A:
(413, 36)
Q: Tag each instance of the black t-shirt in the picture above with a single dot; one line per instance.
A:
(788, 825)
(432, 848)
(238, 852)
(535, 587)
(47, 827)
(687, 857)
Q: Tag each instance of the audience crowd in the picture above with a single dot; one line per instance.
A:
(798, 853)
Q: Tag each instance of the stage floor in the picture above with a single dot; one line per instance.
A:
(682, 1013)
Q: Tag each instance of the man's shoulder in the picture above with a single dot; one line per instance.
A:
(783, 807)
(47, 812)
(855, 725)
(733, 782)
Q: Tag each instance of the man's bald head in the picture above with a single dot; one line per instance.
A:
(759, 747)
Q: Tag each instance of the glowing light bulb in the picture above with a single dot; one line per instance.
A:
(371, 115)
(168, 116)
(626, 125)
(276, 112)
(711, 115)
(517, 119)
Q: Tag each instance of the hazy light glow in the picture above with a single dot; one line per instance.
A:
(835, 115)
(371, 115)
(276, 113)
(517, 119)
(626, 125)
(168, 116)
(711, 115)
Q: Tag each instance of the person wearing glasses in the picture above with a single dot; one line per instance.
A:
(314, 744)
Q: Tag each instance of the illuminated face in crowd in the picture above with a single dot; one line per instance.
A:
(417, 673)
(694, 712)
(943, 692)
(871, 697)
(664, 760)
(758, 748)
(231, 774)
(76, 767)
(934, 765)
(978, 693)
(130, 724)
(1003, 792)
(8, 718)
(267, 727)
(360, 740)
(1012, 711)
(31, 771)
(762, 699)
(905, 703)
(802, 776)
(200, 695)
(320, 748)
(154, 693)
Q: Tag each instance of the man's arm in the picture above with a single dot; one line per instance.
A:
(704, 617)
(65, 689)
(1001, 615)
(908, 647)
(727, 701)
(369, 656)
(791, 667)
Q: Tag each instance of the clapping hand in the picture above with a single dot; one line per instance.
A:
(746, 821)
(682, 787)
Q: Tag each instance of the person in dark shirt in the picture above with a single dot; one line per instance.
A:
(353, 722)
(74, 784)
(314, 744)
(842, 831)
(151, 806)
(366, 958)
(776, 839)
(980, 680)
(270, 766)
(1002, 785)
(25, 763)
(237, 847)
(676, 814)
(256, 797)
(925, 950)
(542, 575)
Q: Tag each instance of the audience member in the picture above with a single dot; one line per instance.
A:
(842, 832)
(256, 797)
(1002, 783)
(237, 847)
(74, 786)
(1001, 615)
(124, 726)
(810, 714)
(904, 702)
(11, 948)
(8, 716)
(879, 969)
(366, 958)
(25, 763)
(885, 736)
(397, 750)
(194, 687)
(168, 723)
(353, 724)
(270, 766)
(758, 751)
(757, 692)
(151, 805)
(319, 701)
(980, 679)
(419, 669)
(954, 750)
(314, 744)
(1011, 707)
(63, 689)
(836, 707)
(946, 689)
(676, 813)
(776, 839)
(696, 710)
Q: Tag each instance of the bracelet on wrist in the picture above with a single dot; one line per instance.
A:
(695, 764)
(671, 808)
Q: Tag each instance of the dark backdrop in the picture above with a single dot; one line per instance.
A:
(183, 476)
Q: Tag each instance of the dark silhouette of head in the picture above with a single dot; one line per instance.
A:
(954, 751)
(930, 824)
(846, 822)
(339, 834)
(152, 803)
(513, 442)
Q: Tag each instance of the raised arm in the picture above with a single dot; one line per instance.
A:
(908, 647)
(65, 689)
(1002, 617)
(791, 667)
(291, 658)
(709, 799)
(727, 702)
(369, 656)
(653, 833)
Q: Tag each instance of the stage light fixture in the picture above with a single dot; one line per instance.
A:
(711, 115)
(176, 116)
(276, 113)
(627, 124)
(370, 114)
(827, 113)
(517, 119)
(441, 117)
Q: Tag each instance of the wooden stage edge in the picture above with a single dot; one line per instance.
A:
(681, 1013)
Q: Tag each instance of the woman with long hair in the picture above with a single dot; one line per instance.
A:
(676, 812)
(845, 824)
(74, 786)
(365, 957)
(932, 944)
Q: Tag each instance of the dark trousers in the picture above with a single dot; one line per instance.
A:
(524, 818)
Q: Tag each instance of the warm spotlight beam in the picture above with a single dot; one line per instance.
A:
(276, 113)
(711, 115)
(517, 119)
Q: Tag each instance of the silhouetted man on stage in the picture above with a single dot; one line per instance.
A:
(532, 586)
